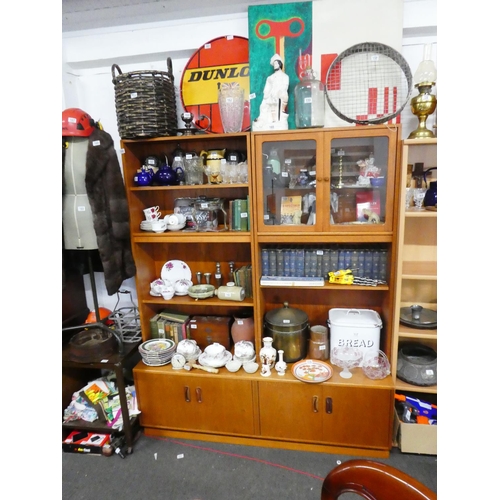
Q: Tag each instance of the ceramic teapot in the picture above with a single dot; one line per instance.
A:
(166, 176)
(144, 177)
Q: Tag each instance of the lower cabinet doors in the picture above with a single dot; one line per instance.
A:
(192, 402)
(340, 415)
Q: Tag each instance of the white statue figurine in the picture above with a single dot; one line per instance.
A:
(273, 114)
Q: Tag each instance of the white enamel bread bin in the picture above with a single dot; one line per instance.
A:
(354, 328)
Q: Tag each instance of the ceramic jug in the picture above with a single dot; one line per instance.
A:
(430, 199)
(213, 159)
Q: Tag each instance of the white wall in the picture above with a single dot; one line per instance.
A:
(87, 57)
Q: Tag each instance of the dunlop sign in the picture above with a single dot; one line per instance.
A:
(222, 60)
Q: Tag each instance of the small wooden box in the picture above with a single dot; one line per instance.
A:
(208, 330)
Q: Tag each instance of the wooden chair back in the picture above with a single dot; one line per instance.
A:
(373, 481)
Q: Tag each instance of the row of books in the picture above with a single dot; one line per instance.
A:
(239, 215)
(242, 276)
(302, 261)
(170, 325)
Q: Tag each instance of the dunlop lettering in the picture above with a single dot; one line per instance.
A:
(227, 73)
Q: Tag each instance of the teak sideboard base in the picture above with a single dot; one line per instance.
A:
(351, 417)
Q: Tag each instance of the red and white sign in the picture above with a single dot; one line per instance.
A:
(222, 60)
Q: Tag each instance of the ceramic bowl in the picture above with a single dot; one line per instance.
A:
(233, 365)
(244, 351)
(251, 367)
(215, 350)
(201, 291)
(377, 181)
(176, 227)
(181, 286)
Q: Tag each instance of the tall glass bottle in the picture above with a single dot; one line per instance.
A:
(309, 101)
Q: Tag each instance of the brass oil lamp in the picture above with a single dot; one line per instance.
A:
(424, 104)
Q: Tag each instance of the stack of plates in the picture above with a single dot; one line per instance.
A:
(146, 225)
(157, 352)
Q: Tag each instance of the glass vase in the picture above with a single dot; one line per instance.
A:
(231, 106)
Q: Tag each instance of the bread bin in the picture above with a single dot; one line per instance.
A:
(358, 328)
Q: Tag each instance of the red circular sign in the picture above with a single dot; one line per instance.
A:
(222, 60)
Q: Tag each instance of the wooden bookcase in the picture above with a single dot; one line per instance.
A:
(416, 275)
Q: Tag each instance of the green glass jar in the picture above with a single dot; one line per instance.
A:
(309, 101)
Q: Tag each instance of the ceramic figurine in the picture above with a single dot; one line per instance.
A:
(272, 115)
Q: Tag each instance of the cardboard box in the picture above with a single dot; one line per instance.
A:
(369, 200)
(85, 442)
(415, 438)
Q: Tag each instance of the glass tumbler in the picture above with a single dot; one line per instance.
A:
(418, 197)
(409, 196)
(193, 169)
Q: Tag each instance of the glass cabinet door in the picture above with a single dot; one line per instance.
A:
(286, 182)
(362, 170)
(329, 180)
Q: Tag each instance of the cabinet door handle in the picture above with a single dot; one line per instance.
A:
(326, 179)
(328, 405)
(315, 404)
(187, 396)
(198, 395)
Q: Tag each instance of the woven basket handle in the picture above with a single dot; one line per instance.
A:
(113, 68)
(170, 69)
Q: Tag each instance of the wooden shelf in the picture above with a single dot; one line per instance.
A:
(415, 212)
(406, 332)
(192, 237)
(419, 270)
(189, 301)
(196, 188)
(403, 386)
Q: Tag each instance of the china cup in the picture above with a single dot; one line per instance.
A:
(173, 220)
(152, 213)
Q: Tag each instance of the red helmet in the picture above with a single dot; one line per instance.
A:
(75, 122)
(104, 313)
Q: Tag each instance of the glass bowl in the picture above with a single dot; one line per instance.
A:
(376, 365)
(346, 358)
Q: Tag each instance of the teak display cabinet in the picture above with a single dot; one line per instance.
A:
(348, 416)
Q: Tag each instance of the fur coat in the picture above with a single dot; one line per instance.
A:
(108, 202)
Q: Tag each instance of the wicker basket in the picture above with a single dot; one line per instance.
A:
(145, 102)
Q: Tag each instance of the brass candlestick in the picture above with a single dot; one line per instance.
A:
(341, 155)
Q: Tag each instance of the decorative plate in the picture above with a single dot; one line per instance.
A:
(158, 345)
(312, 371)
(175, 270)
